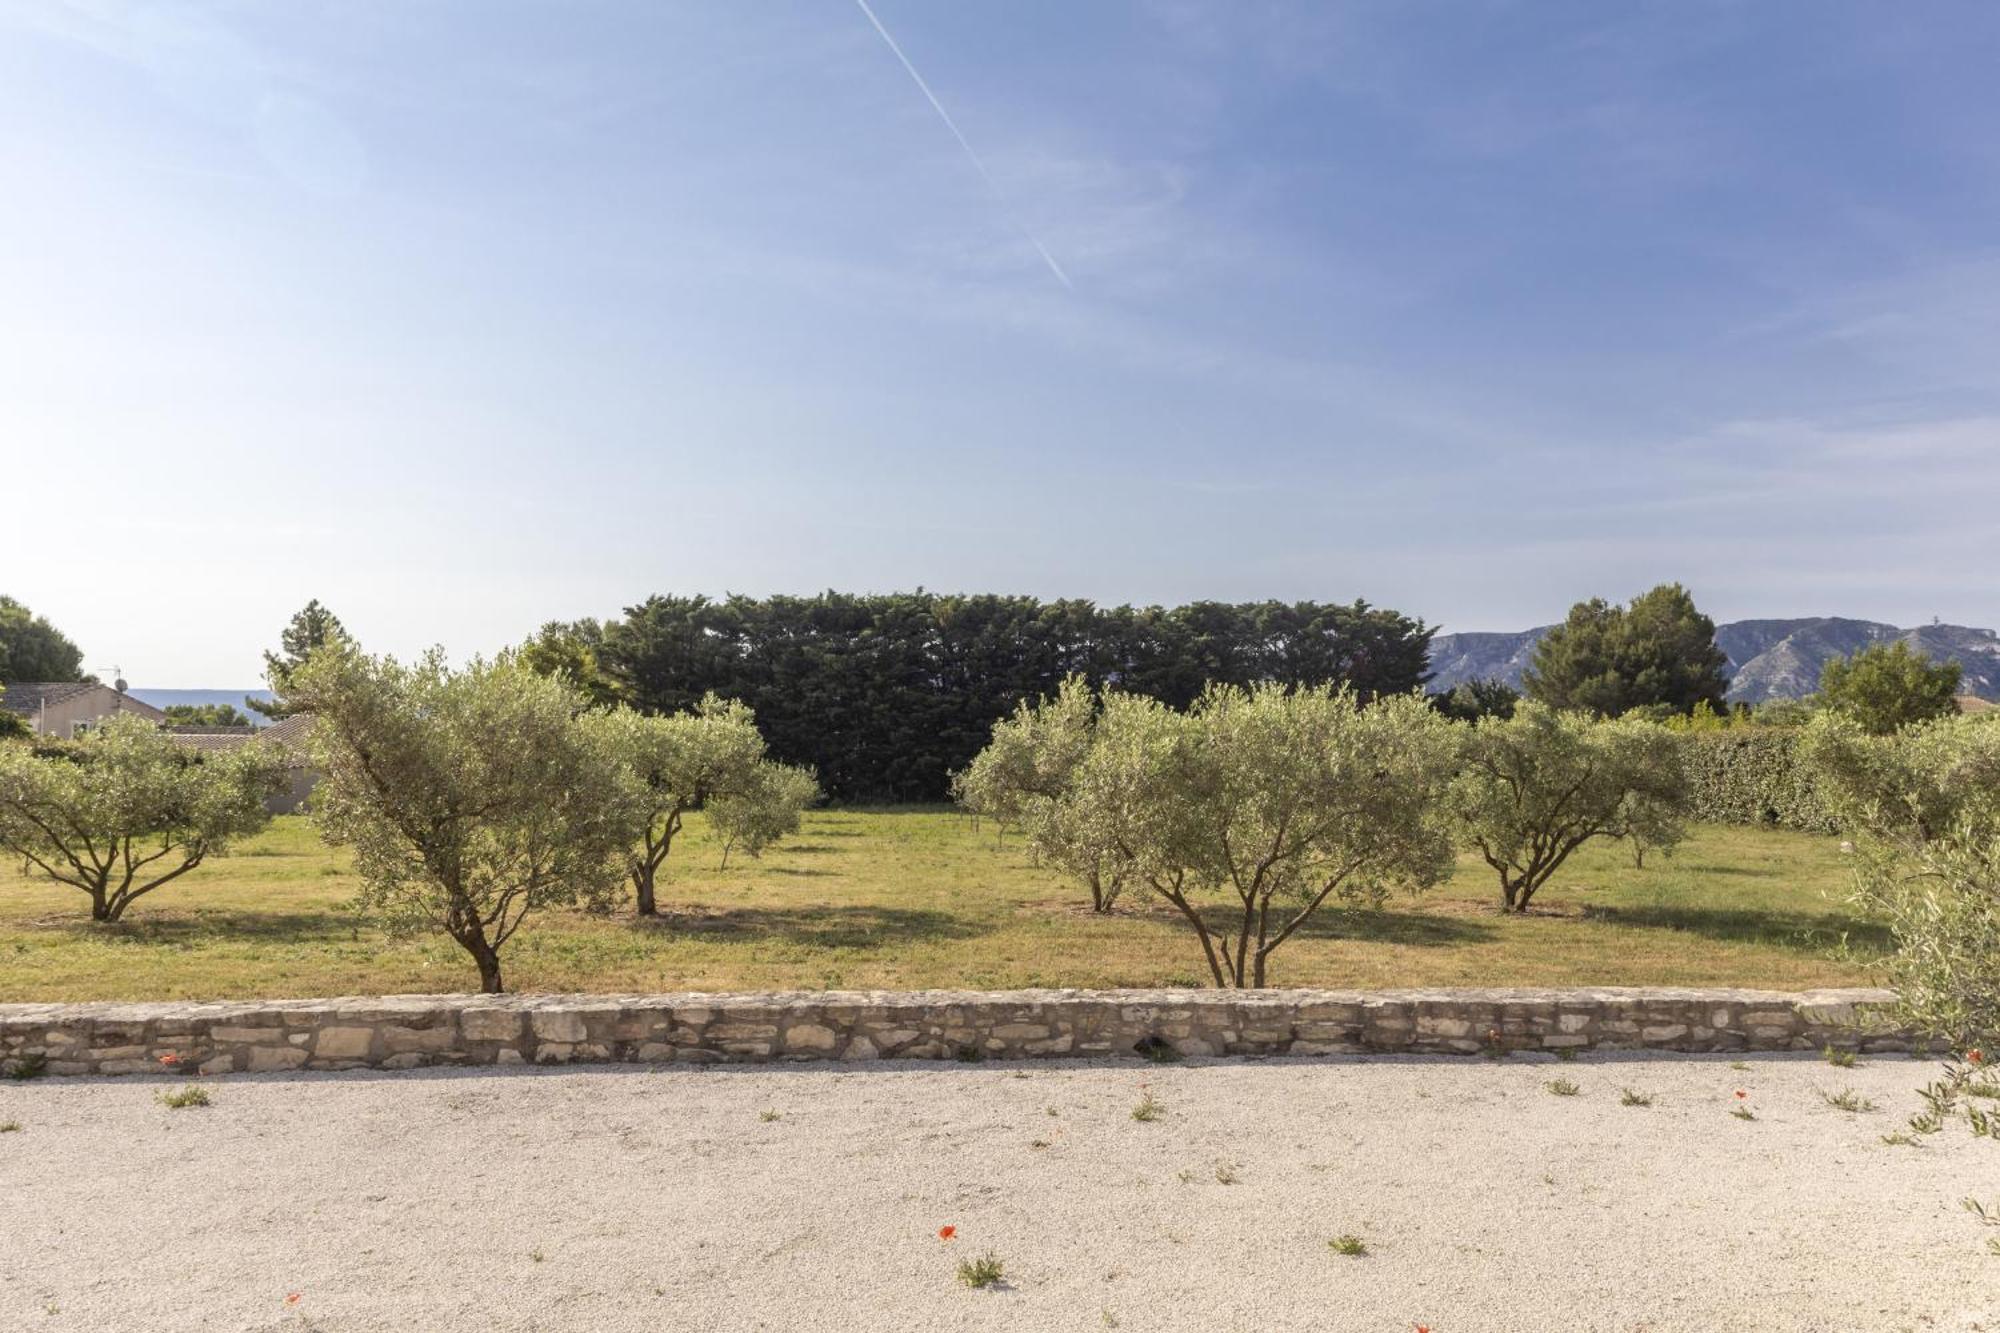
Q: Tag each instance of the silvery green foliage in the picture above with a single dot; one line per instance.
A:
(671, 764)
(1925, 804)
(470, 797)
(1942, 902)
(1025, 779)
(1274, 800)
(1924, 782)
(765, 808)
(1534, 787)
(124, 809)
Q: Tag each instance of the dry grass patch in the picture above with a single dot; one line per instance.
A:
(915, 898)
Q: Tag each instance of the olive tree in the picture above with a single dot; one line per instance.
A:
(1275, 800)
(763, 809)
(471, 797)
(1026, 779)
(124, 809)
(1534, 787)
(1927, 781)
(672, 764)
(1925, 805)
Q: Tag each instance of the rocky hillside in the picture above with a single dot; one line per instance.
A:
(1768, 659)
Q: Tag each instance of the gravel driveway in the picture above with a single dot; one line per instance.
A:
(810, 1197)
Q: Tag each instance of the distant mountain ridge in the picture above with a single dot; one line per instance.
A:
(1768, 659)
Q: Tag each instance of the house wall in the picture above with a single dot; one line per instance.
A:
(60, 719)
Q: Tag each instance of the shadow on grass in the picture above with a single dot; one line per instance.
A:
(1799, 932)
(208, 927)
(828, 927)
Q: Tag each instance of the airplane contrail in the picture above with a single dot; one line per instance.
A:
(959, 135)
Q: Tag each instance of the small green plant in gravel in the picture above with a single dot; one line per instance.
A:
(180, 1099)
(1633, 1097)
(1847, 1099)
(537, 1255)
(1739, 1064)
(1149, 1108)
(1225, 1173)
(1898, 1139)
(1742, 1113)
(985, 1271)
(1566, 1054)
(1978, 1210)
(768, 1116)
(1562, 1087)
(1349, 1245)
(1839, 1058)
(10, 1126)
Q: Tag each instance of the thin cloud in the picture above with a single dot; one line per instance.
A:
(963, 142)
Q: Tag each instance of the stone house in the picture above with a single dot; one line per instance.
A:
(289, 734)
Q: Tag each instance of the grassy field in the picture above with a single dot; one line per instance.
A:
(922, 898)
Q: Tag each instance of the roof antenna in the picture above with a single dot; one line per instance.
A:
(118, 679)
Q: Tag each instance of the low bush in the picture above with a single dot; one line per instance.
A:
(1753, 775)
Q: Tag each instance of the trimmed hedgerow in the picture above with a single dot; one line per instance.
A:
(1753, 775)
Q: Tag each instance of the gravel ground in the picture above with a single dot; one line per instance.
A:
(810, 1197)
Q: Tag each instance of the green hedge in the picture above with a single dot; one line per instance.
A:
(1752, 775)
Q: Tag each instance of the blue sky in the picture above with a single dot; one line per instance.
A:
(461, 317)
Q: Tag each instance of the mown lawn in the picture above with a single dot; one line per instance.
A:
(923, 898)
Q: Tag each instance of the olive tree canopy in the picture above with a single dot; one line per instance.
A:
(123, 809)
(1534, 787)
(675, 763)
(470, 797)
(1275, 800)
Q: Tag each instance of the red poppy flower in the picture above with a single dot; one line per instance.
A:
(1421, 1328)
(1741, 1094)
(293, 1298)
(946, 1233)
(170, 1059)
(1976, 1056)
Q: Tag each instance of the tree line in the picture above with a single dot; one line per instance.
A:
(885, 696)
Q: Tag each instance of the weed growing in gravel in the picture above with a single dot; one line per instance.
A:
(1566, 1054)
(1902, 1140)
(1847, 1099)
(768, 1116)
(1350, 1245)
(1739, 1064)
(1839, 1058)
(1157, 1049)
(537, 1255)
(1743, 1113)
(1633, 1097)
(1225, 1173)
(24, 1067)
(1149, 1108)
(1562, 1087)
(1038, 1143)
(182, 1098)
(1993, 1244)
(985, 1271)
(10, 1126)
(1948, 1097)
(1978, 1210)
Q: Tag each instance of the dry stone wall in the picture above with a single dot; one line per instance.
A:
(408, 1031)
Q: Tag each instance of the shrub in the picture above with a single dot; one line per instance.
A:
(1534, 787)
(1753, 775)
